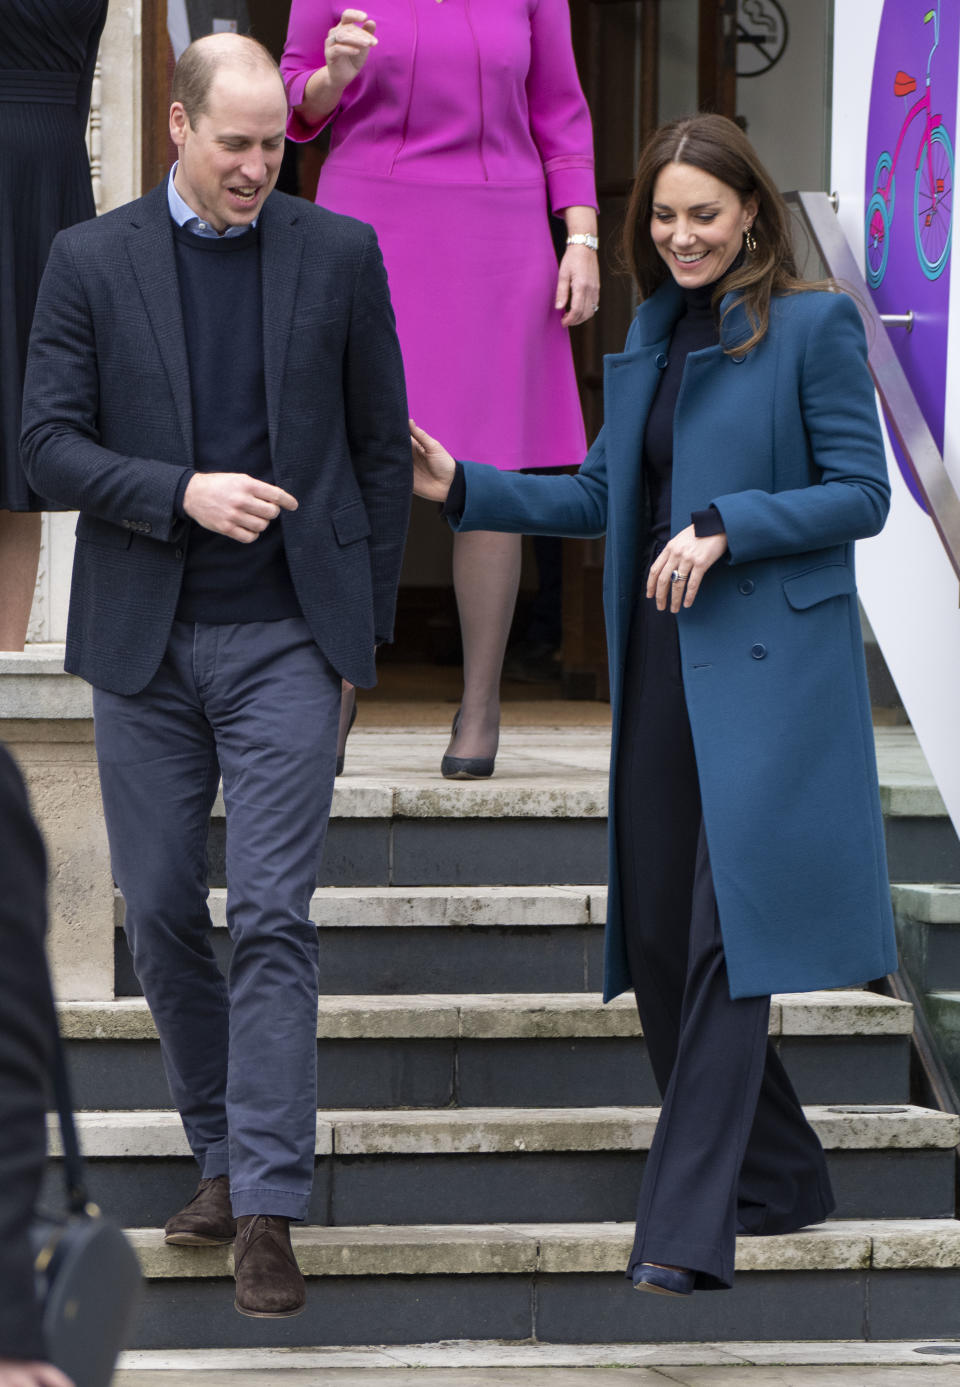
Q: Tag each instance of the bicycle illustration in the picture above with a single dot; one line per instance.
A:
(932, 188)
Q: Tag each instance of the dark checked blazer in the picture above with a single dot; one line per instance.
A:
(26, 1038)
(107, 429)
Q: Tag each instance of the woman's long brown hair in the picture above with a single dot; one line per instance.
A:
(718, 147)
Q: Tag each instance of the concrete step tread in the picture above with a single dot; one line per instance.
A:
(561, 1248)
(340, 907)
(502, 1016)
(460, 1131)
(817, 1363)
(550, 773)
(929, 903)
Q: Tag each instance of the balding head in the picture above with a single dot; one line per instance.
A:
(199, 65)
(227, 120)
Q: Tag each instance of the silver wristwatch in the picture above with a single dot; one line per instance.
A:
(582, 239)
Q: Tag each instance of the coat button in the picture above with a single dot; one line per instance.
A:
(662, 360)
(178, 553)
(746, 586)
(758, 651)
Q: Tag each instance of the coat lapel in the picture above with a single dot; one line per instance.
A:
(630, 380)
(151, 251)
(281, 251)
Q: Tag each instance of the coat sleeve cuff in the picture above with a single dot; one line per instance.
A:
(299, 129)
(570, 182)
(452, 508)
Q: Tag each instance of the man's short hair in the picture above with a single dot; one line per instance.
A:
(199, 64)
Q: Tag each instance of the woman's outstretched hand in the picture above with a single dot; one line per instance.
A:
(347, 47)
(689, 556)
(433, 467)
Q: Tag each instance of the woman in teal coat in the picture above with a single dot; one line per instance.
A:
(740, 457)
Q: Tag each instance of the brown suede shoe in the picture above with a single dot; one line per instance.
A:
(207, 1221)
(269, 1283)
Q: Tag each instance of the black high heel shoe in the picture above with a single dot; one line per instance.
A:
(342, 752)
(466, 767)
(663, 1280)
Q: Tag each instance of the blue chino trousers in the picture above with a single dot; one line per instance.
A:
(258, 704)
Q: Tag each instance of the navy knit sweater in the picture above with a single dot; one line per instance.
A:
(224, 580)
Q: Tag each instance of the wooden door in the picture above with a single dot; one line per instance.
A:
(617, 47)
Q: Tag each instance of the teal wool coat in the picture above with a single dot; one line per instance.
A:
(784, 440)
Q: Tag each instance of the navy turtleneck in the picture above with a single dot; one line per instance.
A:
(695, 329)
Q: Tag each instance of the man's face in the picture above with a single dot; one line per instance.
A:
(230, 161)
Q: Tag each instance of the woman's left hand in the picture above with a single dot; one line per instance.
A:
(689, 556)
(578, 285)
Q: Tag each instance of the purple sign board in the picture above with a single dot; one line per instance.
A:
(909, 189)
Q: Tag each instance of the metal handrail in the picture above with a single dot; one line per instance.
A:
(917, 445)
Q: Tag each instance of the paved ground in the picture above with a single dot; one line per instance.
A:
(554, 751)
(615, 1365)
(785, 1376)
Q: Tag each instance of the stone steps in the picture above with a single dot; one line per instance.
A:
(438, 1195)
(512, 1164)
(542, 818)
(507, 1016)
(562, 1283)
(505, 1049)
(439, 938)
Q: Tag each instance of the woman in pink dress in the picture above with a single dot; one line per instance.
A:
(455, 125)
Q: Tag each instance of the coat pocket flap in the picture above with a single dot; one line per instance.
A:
(351, 523)
(804, 590)
(92, 530)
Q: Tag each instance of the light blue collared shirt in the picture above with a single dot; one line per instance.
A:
(184, 215)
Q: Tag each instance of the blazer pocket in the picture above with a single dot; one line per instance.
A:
(93, 531)
(803, 590)
(351, 523)
(320, 314)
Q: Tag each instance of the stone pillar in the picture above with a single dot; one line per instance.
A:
(46, 720)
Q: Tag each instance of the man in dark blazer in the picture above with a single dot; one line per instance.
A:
(26, 1044)
(215, 383)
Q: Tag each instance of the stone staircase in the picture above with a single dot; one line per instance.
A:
(483, 1120)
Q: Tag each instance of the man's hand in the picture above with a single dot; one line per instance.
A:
(433, 467)
(14, 1373)
(688, 556)
(235, 505)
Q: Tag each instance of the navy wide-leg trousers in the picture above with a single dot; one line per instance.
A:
(259, 704)
(733, 1151)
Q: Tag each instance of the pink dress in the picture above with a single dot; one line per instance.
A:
(466, 118)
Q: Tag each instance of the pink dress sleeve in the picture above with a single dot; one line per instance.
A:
(302, 55)
(559, 118)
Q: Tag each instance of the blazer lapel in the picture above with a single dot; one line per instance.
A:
(151, 251)
(281, 249)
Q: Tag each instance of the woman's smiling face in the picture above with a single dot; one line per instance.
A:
(697, 223)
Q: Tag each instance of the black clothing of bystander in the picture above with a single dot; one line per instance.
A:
(47, 55)
(26, 1041)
